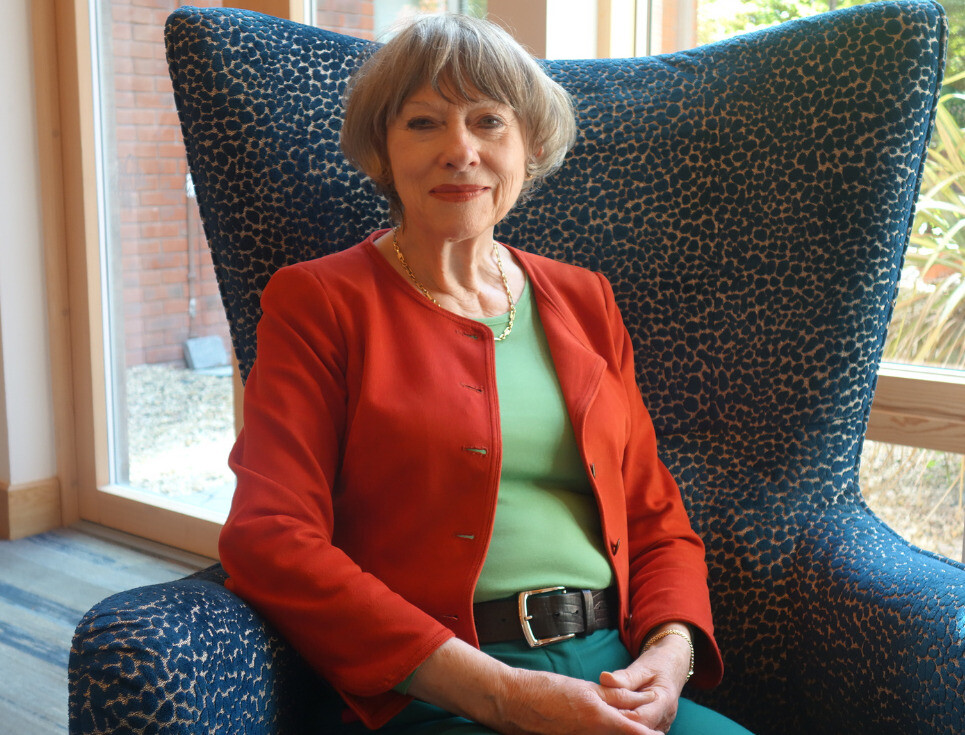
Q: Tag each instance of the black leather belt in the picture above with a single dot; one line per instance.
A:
(546, 615)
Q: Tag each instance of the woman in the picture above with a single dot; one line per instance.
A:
(441, 433)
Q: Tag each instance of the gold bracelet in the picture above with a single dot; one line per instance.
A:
(673, 631)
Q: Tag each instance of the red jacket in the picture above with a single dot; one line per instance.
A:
(369, 464)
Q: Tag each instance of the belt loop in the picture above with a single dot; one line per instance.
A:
(589, 609)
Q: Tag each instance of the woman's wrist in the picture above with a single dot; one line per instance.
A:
(667, 633)
(463, 680)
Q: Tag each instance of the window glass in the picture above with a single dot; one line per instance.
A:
(919, 493)
(167, 347)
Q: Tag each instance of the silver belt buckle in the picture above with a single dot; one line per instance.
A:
(525, 617)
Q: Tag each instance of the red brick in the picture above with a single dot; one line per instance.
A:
(134, 83)
(157, 17)
(151, 3)
(148, 33)
(159, 229)
(121, 32)
(157, 100)
(176, 276)
(141, 50)
(150, 278)
(156, 166)
(123, 65)
(147, 214)
(164, 86)
(165, 261)
(121, 13)
(175, 244)
(170, 118)
(161, 197)
(157, 134)
(173, 321)
(171, 150)
(134, 116)
(125, 133)
(175, 307)
(172, 182)
(124, 100)
(153, 308)
(149, 67)
(172, 355)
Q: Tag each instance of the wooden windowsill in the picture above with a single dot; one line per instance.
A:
(919, 406)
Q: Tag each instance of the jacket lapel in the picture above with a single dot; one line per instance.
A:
(578, 367)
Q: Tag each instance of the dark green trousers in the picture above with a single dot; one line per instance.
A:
(583, 658)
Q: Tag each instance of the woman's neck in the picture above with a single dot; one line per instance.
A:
(463, 276)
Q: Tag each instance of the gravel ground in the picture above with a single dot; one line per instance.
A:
(182, 428)
(918, 492)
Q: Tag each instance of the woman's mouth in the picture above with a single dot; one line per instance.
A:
(457, 193)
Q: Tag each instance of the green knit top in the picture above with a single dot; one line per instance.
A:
(547, 530)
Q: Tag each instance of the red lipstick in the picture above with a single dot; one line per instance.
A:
(457, 192)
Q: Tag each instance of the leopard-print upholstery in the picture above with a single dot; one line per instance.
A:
(750, 201)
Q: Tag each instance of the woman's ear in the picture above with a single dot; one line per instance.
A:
(533, 161)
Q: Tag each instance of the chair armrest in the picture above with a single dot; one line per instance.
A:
(882, 630)
(187, 657)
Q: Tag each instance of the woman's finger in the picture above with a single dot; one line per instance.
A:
(624, 698)
(633, 677)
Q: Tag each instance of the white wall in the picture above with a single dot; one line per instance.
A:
(550, 29)
(27, 452)
(571, 29)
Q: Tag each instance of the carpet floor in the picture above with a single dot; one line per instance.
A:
(47, 583)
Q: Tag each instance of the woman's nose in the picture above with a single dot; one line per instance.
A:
(459, 151)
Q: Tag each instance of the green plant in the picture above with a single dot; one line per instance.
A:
(929, 321)
(920, 492)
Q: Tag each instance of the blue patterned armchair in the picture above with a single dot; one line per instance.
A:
(750, 201)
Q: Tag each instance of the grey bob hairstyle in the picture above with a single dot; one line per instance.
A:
(462, 56)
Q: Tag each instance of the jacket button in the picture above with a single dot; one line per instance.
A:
(615, 547)
(593, 470)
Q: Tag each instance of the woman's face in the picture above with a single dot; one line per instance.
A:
(457, 166)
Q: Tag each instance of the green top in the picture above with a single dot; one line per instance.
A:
(547, 530)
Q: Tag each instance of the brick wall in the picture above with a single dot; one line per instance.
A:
(169, 288)
(351, 17)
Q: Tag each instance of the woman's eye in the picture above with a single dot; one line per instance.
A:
(418, 123)
(491, 121)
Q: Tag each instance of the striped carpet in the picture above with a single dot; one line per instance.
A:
(47, 582)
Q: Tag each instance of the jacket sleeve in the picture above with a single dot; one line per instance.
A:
(668, 574)
(277, 544)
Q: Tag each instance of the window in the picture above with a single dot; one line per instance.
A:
(168, 371)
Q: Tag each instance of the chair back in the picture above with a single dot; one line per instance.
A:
(750, 202)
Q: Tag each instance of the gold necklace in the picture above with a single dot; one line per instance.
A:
(425, 291)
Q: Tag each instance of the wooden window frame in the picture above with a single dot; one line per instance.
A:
(61, 30)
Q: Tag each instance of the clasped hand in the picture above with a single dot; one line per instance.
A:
(638, 700)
